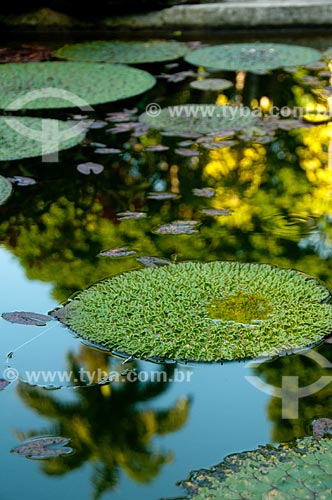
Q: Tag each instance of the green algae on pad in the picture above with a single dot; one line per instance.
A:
(123, 52)
(68, 84)
(300, 470)
(165, 312)
(200, 118)
(252, 56)
(15, 145)
(5, 188)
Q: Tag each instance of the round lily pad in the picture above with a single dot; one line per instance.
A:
(68, 84)
(293, 470)
(123, 52)
(203, 312)
(214, 84)
(252, 56)
(25, 137)
(5, 189)
(201, 118)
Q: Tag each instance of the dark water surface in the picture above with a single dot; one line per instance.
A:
(273, 185)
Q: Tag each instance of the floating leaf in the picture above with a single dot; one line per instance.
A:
(43, 447)
(153, 261)
(22, 181)
(216, 212)
(201, 118)
(178, 227)
(131, 215)
(97, 124)
(203, 312)
(90, 168)
(92, 83)
(162, 196)
(16, 145)
(26, 53)
(3, 384)
(5, 189)
(186, 152)
(123, 52)
(252, 56)
(118, 252)
(107, 151)
(292, 471)
(157, 147)
(26, 318)
(204, 192)
(215, 84)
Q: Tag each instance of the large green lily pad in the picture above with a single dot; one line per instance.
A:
(5, 189)
(22, 137)
(80, 84)
(203, 312)
(300, 470)
(123, 52)
(201, 118)
(252, 56)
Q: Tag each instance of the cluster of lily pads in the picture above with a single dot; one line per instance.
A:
(92, 72)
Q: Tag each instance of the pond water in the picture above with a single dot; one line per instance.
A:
(269, 201)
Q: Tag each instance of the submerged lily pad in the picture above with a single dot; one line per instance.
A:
(165, 312)
(5, 188)
(252, 56)
(68, 84)
(43, 447)
(301, 469)
(15, 145)
(123, 52)
(200, 118)
(214, 84)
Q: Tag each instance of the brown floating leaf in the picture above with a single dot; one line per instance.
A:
(178, 227)
(90, 168)
(106, 151)
(320, 427)
(22, 181)
(43, 447)
(26, 318)
(118, 252)
(216, 211)
(186, 152)
(152, 261)
(3, 384)
(26, 53)
(157, 147)
(162, 196)
(131, 215)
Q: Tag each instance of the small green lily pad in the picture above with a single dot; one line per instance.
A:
(200, 118)
(68, 84)
(165, 312)
(300, 469)
(21, 137)
(213, 84)
(252, 56)
(5, 188)
(123, 52)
